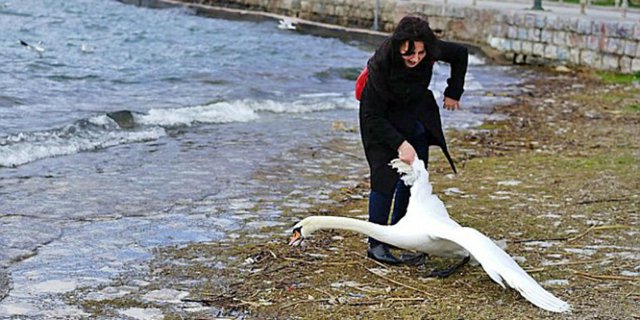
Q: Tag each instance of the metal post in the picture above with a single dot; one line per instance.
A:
(537, 5)
(376, 12)
(583, 6)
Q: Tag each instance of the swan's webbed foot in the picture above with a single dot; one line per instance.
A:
(448, 271)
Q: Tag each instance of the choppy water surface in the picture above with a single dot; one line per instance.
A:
(214, 101)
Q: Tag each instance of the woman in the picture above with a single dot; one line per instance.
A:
(399, 116)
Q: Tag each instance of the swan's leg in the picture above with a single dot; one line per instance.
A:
(449, 271)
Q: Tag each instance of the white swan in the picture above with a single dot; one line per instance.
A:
(427, 228)
(286, 24)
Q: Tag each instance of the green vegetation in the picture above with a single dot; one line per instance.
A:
(618, 78)
(632, 3)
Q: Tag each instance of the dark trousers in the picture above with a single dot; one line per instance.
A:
(380, 203)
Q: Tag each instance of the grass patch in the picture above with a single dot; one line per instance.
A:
(618, 78)
(634, 107)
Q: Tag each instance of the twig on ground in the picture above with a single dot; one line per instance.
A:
(572, 263)
(603, 200)
(399, 283)
(604, 277)
(594, 228)
(542, 239)
(293, 303)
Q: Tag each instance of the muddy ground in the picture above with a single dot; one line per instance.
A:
(558, 179)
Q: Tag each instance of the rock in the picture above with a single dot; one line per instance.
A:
(123, 118)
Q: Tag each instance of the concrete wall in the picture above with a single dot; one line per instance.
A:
(522, 36)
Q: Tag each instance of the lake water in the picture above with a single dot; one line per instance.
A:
(214, 102)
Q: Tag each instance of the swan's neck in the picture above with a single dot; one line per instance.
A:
(376, 231)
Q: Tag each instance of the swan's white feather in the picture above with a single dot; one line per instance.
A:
(427, 228)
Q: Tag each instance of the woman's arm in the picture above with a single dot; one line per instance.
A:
(457, 56)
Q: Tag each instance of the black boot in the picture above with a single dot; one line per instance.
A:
(413, 258)
(381, 253)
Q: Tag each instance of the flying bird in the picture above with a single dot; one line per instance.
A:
(37, 48)
(427, 228)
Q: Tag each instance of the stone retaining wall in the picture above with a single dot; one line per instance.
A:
(533, 37)
(522, 36)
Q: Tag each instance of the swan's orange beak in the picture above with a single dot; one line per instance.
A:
(296, 239)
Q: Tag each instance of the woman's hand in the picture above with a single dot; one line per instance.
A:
(406, 152)
(451, 104)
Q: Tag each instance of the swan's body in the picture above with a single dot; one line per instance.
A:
(427, 228)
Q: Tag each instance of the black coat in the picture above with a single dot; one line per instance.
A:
(386, 123)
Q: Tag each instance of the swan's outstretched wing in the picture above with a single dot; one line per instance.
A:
(500, 266)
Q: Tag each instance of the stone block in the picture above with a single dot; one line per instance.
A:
(597, 43)
(636, 31)
(635, 65)
(530, 20)
(538, 49)
(576, 40)
(552, 22)
(624, 29)
(611, 62)
(510, 19)
(550, 52)
(563, 53)
(614, 45)
(599, 28)
(583, 26)
(590, 59)
(534, 34)
(574, 55)
(527, 47)
(625, 65)
(630, 47)
(567, 23)
(546, 35)
(523, 33)
(516, 45)
(432, 10)
(518, 19)
(540, 21)
(560, 38)
(512, 32)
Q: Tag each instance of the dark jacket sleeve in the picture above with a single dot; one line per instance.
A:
(457, 56)
(376, 123)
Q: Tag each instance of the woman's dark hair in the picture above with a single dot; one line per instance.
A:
(387, 57)
(412, 28)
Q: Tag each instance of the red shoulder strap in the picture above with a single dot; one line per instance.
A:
(361, 81)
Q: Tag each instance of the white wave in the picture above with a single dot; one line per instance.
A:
(311, 103)
(476, 60)
(221, 112)
(28, 147)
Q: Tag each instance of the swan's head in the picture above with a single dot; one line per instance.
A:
(301, 230)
